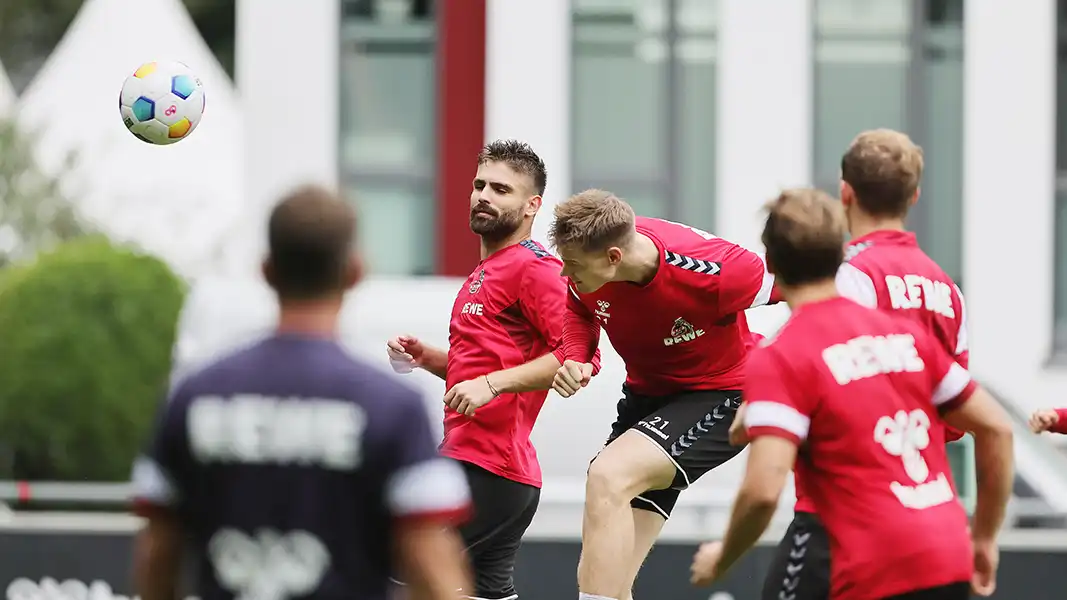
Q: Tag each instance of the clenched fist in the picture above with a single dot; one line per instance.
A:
(571, 377)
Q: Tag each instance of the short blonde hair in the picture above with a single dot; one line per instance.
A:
(592, 220)
(804, 236)
(884, 168)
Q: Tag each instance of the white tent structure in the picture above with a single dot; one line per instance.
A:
(182, 202)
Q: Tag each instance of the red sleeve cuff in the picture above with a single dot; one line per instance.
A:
(762, 430)
(595, 361)
(148, 509)
(964, 395)
(560, 353)
(1061, 423)
(452, 517)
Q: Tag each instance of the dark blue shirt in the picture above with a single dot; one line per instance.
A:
(289, 463)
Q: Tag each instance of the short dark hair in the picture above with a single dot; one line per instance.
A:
(884, 168)
(520, 157)
(310, 234)
(804, 236)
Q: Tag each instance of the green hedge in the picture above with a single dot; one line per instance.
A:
(86, 333)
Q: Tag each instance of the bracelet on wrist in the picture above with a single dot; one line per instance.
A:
(492, 389)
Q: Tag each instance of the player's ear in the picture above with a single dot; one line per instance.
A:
(268, 271)
(533, 205)
(354, 270)
(846, 193)
(614, 255)
(915, 196)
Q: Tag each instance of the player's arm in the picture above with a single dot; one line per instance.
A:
(743, 282)
(964, 405)
(157, 488)
(543, 299)
(426, 495)
(1053, 420)
(577, 351)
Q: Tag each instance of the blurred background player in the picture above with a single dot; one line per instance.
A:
(876, 470)
(506, 320)
(670, 298)
(296, 469)
(885, 268)
(1053, 420)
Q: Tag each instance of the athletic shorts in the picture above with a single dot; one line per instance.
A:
(801, 566)
(503, 510)
(693, 430)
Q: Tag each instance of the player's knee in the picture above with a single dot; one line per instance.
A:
(610, 481)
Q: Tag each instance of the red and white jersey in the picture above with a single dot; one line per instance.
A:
(888, 270)
(860, 391)
(685, 329)
(508, 312)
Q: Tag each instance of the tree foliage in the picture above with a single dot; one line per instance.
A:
(88, 331)
(34, 213)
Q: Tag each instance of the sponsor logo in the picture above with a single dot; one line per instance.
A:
(476, 285)
(681, 332)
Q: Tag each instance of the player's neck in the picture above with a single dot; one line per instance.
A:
(809, 293)
(313, 318)
(640, 261)
(863, 225)
(489, 247)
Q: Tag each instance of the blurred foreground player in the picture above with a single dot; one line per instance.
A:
(296, 470)
(855, 398)
(506, 321)
(671, 299)
(884, 268)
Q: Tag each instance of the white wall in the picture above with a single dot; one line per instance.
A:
(1009, 174)
(528, 62)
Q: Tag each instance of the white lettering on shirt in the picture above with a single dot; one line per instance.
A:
(870, 355)
(916, 291)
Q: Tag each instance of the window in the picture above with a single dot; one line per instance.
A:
(896, 64)
(643, 104)
(387, 149)
(1060, 244)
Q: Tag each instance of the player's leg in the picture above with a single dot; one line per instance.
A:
(651, 511)
(503, 510)
(801, 565)
(612, 547)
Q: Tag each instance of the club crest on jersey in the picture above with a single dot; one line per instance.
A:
(477, 284)
(681, 332)
(602, 311)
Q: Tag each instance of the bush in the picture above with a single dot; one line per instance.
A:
(86, 334)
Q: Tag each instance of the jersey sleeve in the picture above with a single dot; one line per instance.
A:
(775, 405)
(1061, 422)
(952, 385)
(160, 473)
(581, 333)
(743, 282)
(421, 484)
(854, 284)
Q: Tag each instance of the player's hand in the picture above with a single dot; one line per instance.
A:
(405, 353)
(1043, 420)
(468, 396)
(705, 568)
(571, 377)
(738, 434)
(986, 560)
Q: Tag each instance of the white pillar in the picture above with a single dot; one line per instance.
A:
(528, 87)
(287, 76)
(764, 127)
(1009, 192)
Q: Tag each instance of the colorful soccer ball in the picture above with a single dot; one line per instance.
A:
(162, 102)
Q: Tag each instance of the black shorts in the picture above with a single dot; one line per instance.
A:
(801, 566)
(503, 510)
(692, 428)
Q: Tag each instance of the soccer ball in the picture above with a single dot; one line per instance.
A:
(162, 102)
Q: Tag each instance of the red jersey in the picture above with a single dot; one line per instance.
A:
(685, 329)
(888, 270)
(507, 313)
(860, 391)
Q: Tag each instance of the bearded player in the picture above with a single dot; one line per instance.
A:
(884, 268)
(671, 299)
(854, 397)
(499, 365)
